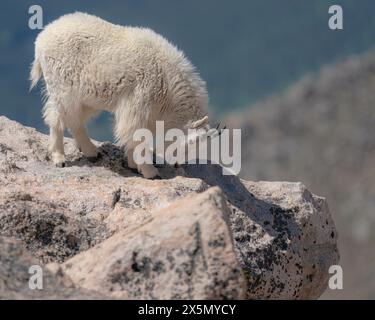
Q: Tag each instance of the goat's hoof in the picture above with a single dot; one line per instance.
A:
(100, 155)
(134, 170)
(60, 165)
(157, 177)
(95, 159)
(148, 171)
(58, 159)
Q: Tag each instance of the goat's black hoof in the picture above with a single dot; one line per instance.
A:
(60, 165)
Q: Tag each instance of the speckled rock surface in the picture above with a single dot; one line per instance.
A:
(184, 251)
(15, 262)
(292, 237)
(282, 236)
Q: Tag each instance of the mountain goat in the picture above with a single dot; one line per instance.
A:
(89, 65)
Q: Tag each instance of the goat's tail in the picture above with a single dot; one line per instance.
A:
(35, 73)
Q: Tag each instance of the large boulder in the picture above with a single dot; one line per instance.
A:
(195, 234)
(321, 131)
(183, 251)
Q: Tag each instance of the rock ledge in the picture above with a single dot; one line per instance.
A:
(101, 231)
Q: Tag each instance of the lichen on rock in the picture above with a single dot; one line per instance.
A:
(194, 234)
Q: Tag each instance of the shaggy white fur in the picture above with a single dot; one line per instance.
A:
(90, 65)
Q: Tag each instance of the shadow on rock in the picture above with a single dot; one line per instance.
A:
(110, 157)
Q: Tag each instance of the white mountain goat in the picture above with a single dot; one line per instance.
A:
(90, 65)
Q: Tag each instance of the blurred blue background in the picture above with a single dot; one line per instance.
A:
(320, 131)
(245, 50)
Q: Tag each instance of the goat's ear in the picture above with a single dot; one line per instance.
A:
(200, 122)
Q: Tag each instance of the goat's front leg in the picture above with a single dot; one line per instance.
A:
(147, 170)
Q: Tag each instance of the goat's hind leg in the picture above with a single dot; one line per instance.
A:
(53, 119)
